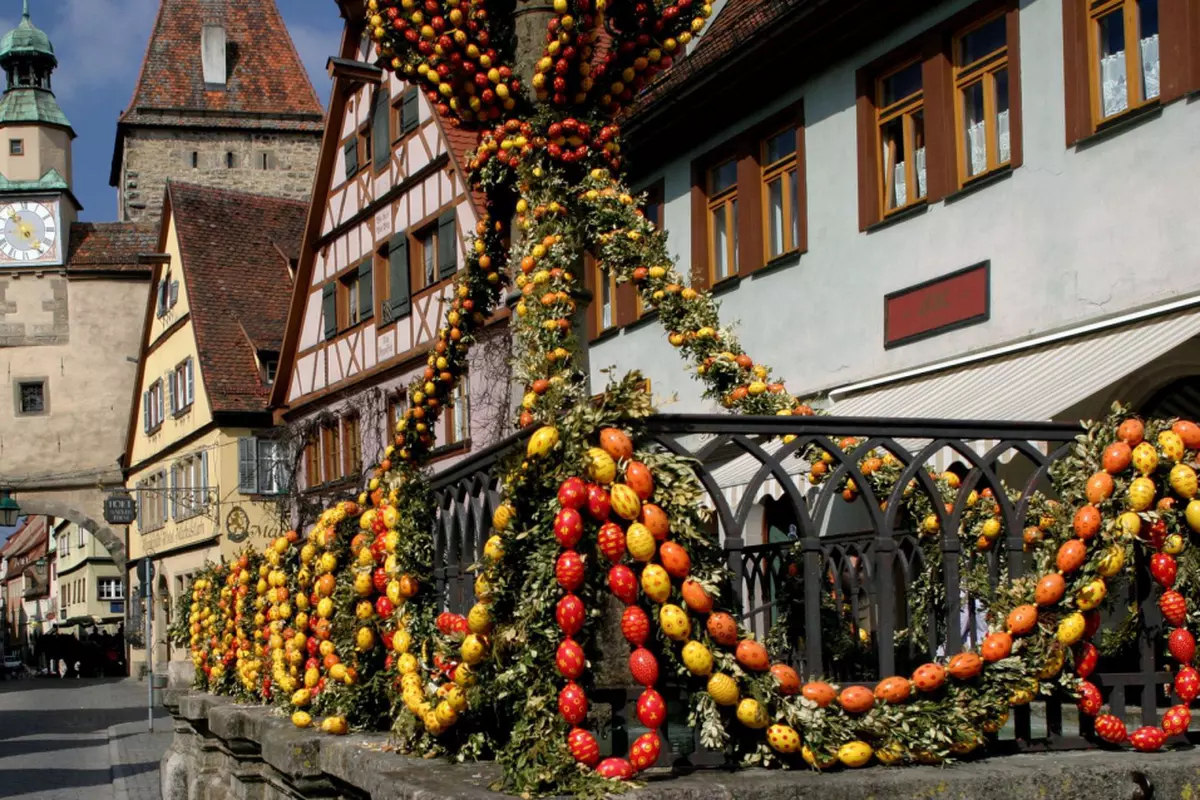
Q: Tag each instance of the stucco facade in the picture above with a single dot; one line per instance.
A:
(87, 582)
(1073, 235)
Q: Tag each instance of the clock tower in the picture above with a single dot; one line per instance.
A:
(36, 204)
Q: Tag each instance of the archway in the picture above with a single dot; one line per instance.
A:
(62, 507)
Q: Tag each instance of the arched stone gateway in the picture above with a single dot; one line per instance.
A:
(66, 505)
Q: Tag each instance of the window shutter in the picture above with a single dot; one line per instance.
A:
(381, 140)
(1179, 35)
(868, 158)
(1076, 77)
(699, 230)
(400, 301)
(191, 382)
(750, 246)
(171, 399)
(174, 294)
(203, 501)
(366, 293)
(248, 465)
(329, 305)
(141, 504)
(590, 273)
(410, 110)
(941, 138)
(162, 483)
(174, 485)
(158, 300)
(145, 413)
(351, 151)
(447, 245)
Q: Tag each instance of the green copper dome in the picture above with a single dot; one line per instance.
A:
(25, 40)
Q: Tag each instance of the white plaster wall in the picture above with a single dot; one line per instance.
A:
(1073, 234)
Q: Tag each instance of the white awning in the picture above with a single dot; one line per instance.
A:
(1035, 383)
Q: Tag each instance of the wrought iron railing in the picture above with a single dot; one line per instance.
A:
(844, 570)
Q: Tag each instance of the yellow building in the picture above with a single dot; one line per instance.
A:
(204, 464)
(89, 583)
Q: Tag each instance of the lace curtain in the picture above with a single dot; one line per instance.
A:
(898, 177)
(977, 143)
(1150, 65)
(1113, 82)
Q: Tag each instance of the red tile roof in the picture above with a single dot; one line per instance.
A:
(233, 250)
(264, 72)
(107, 246)
(460, 142)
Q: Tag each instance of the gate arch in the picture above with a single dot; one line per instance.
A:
(35, 505)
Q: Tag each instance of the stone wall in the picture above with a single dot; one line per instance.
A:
(271, 163)
(223, 751)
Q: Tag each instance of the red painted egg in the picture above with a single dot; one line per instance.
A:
(675, 560)
(635, 625)
(569, 659)
(617, 768)
(569, 570)
(568, 527)
(1177, 720)
(570, 614)
(645, 751)
(572, 703)
(611, 541)
(1148, 739)
(651, 709)
(638, 478)
(598, 504)
(1091, 624)
(583, 746)
(623, 584)
(384, 607)
(380, 579)
(644, 667)
(1090, 700)
(1174, 607)
(572, 493)
(1182, 645)
(1164, 569)
(1085, 661)
(1187, 684)
(1111, 729)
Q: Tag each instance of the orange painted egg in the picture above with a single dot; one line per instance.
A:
(616, 443)
(696, 598)
(638, 478)
(656, 520)
(788, 678)
(819, 692)
(752, 655)
(722, 628)
(856, 699)
(675, 559)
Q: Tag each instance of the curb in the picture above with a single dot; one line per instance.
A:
(114, 760)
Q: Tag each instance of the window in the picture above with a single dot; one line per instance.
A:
(312, 461)
(153, 410)
(31, 397)
(110, 589)
(16, 147)
(357, 295)
(364, 138)
(266, 160)
(330, 452)
(195, 159)
(189, 486)
(723, 221)
(181, 387)
(1124, 46)
(229, 161)
(64, 545)
(781, 193)
(262, 466)
(981, 92)
(152, 502)
(396, 408)
(351, 446)
(350, 309)
(458, 428)
(606, 298)
(406, 114)
(425, 257)
(166, 294)
(901, 124)
(79, 538)
(270, 368)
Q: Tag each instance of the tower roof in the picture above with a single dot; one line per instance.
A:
(266, 86)
(26, 39)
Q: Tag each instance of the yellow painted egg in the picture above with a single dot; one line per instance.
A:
(751, 713)
(783, 738)
(301, 719)
(818, 761)
(697, 658)
(473, 649)
(1070, 629)
(855, 754)
(599, 466)
(723, 689)
(625, 501)
(640, 543)
(656, 583)
(675, 622)
(1141, 494)
(1145, 458)
(1183, 481)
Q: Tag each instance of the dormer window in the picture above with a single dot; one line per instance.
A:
(270, 367)
(16, 147)
(212, 56)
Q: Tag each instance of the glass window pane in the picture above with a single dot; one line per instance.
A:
(1114, 96)
(606, 320)
(781, 145)
(428, 247)
(902, 84)
(775, 244)
(975, 130)
(733, 221)
(918, 146)
(1148, 43)
(1003, 141)
(794, 189)
(720, 242)
(723, 177)
(892, 136)
(983, 41)
(352, 289)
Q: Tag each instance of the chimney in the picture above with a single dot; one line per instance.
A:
(212, 52)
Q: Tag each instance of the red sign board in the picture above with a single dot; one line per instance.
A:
(943, 304)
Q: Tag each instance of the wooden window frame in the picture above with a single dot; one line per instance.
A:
(981, 71)
(416, 250)
(365, 163)
(396, 125)
(396, 407)
(331, 455)
(1134, 102)
(312, 460)
(351, 439)
(934, 50)
(727, 199)
(780, 170)
(904, 110)
(461, 392)
(347, 292)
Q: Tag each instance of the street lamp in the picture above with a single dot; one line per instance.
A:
(9, 510)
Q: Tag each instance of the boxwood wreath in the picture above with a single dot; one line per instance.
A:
(341, 625)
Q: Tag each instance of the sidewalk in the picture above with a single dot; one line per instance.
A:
(135, 754)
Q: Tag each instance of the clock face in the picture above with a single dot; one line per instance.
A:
(28, 231)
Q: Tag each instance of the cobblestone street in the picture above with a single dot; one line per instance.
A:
(79, 739)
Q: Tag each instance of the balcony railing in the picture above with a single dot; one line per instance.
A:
(835, 580)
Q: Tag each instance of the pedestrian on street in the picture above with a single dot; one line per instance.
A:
(77, 670)
(62, 668)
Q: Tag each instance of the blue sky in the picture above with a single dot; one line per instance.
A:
(100, 44)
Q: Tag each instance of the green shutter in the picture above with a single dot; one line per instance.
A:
(447, 245)
(366, 291)
(381, 137)
(329, 306)
(400, 301)
(352, 157)
(410, 113)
